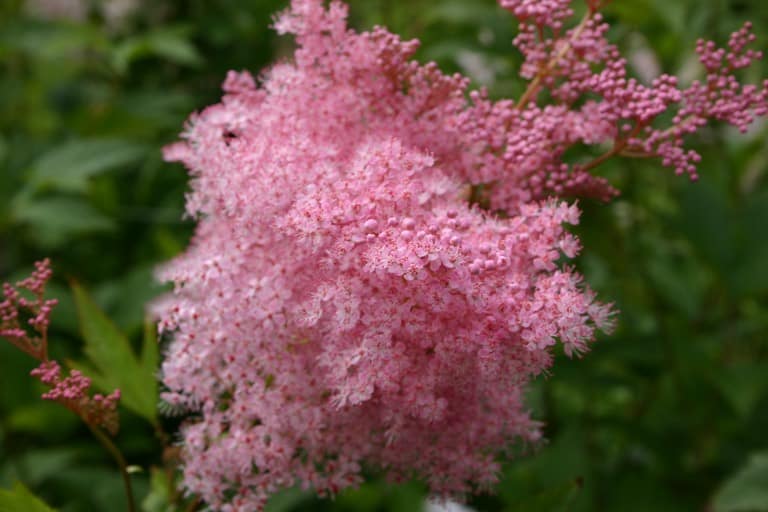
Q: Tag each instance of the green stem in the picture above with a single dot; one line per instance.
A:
(618, 149)
(107, 443)
(193, 505)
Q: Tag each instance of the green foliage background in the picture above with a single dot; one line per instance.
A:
(670, 413)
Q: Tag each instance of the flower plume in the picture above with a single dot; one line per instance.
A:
(377, 269)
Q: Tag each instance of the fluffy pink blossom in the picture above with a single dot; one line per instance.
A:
(376, 273)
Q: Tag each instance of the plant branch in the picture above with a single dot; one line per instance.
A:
(107, 443)
(619, 147)
(533, 87)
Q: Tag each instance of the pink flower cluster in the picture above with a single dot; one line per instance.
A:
(376, 273)
(70, 391)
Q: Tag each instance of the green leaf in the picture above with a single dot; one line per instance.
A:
(50, 42)
(530, 479)
(408, 497)
(170, 43)
(706, 219)
(159, 498)
(366, 498)
(743, 385)
(287, 500)
(69, 166)
(150, 353)
(56, 220)
(747, 490)
(159, 107)
(556, 499)
(43, 418)
(41, 466)
(116, 365)
(3, 149)
(21, 500)
(749, 274)
(121, 295)
(97, 488)
(174, 46)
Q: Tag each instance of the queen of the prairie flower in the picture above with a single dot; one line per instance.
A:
(376, 273)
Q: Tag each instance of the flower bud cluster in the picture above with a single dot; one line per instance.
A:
(594, 101)
(72, 392)
(18, 309)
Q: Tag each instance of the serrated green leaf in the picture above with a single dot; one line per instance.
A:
(747, 490)
(115, 364)
(69, 166)
(19, 499)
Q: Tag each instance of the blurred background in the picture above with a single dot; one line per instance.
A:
(670, 413)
